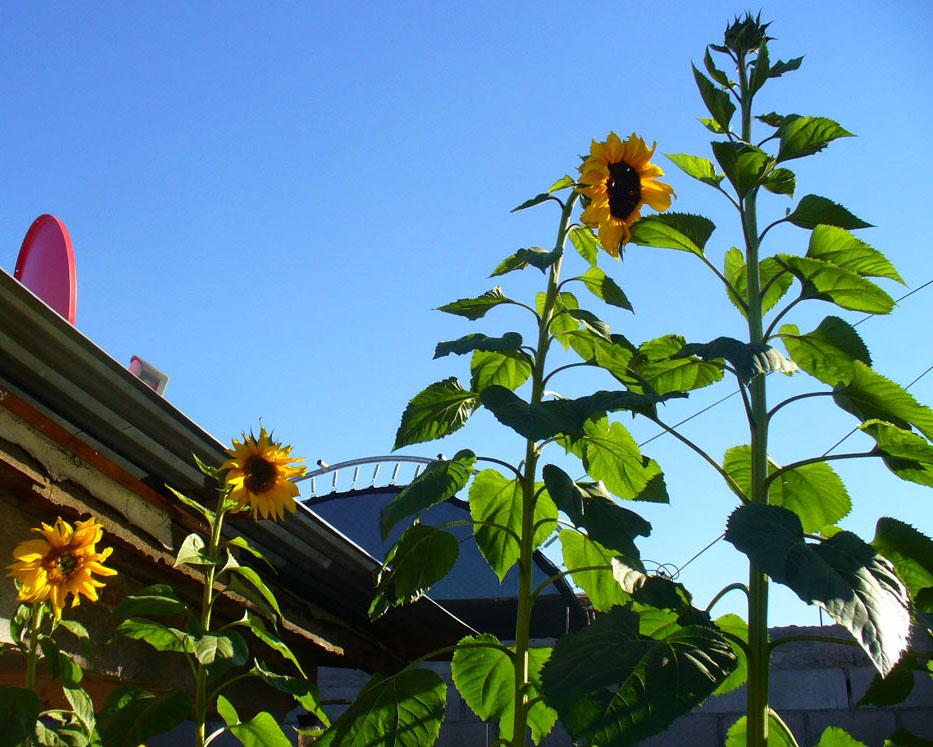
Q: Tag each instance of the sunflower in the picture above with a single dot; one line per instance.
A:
(258, 475)
(60, 563)
(618, 178)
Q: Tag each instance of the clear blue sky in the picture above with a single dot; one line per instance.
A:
(267, 200)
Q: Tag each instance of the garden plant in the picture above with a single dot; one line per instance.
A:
(651, 654)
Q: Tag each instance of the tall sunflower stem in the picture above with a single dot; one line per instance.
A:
(32, 657)
(201, 704)
(529, 472)
(758, 652)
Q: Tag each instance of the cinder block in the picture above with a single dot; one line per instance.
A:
(808, 689)
(920, 697)
(918, 721)
(460, 734)
(692, 729)
(733, 702)
(870, 727)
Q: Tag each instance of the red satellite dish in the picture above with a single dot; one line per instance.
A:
(46, 265)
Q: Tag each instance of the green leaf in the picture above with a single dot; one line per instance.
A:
(613, 354)
(777, 733)
(828, 352)
(485, 678)
(761, 68)
(699, 168)
(307, 694)
(81, 705)
(839, 247)
(565, 181)
(258, 628)
(738, 627)
(827, 282)
(601, 586)
(590, 321)
(909, 550)
(250, 576)
(476, 308)
(870, 395)
(813, 210)
(641, 684)
(192, 552)
(79, 632)
(715, 73)
(906, 454)
(236, 585)
(774, 279)
(773, 118)
(781, 182)
(422, 556)
(903, 738)
(19, 711)
(712, 125)
(19, 622)
(590, 507)
(780, 67)
(227, 711)
(688, 233)
(748, 359)
(660, 367)
(744, 165)
(260, 731)
(405, 711)
(803, 136)
(510, 341)
(586, 243)
(511, 263)
(213, 646)
(812, 491)
(131, 716)
(895, 687)
(610, 454)
(510, 370)
(440, 480)
(496, 499)
(605, 288)
(160, 637)
(534, 256)
(843, 575)
(716, 100)
(62, 665)
(243, 544)
(561, 321)
(191, 503)
(435, 412)
(536, 200)
(833, 736)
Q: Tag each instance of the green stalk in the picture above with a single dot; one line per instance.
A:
(758, 653)
(200, 703)
(33, 655)
(526, 544)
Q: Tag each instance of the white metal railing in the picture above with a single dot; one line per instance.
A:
(349, 472)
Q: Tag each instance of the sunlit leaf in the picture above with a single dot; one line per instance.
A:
(699, 168)
(827, 282)
(780, 67)
(496, 499)
(659, 365)
(681, 231)
(307, 694)
(613, 354)
(833, 736)
(192, 552)
(803, 136)
(610, 455)
(909, 550)
(586, 243)
(435, 412)
(258, 628)
(510, 370)
(841, 248)
(738, 627)
(561, 322)
(781, 182)
(485, 678)
(250, 576)
(774, 280)
(440, 480)
(422, 556)
(600, 585)
(906, 454)
(160, 637)
(590, 321)
(604, 287)
(843, 575)
(405, 710)
(870, 395)
(777, 733)
(828, 352)
(565, 181)
(715, 73)
(812, 210)
(641, 684)
(536, 200)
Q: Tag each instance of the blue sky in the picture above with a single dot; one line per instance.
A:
(267, 200)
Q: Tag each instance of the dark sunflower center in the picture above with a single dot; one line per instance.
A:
(624, 189)
(66, 564)
(260, 474)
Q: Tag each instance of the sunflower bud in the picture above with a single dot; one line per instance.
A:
(746, 34)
